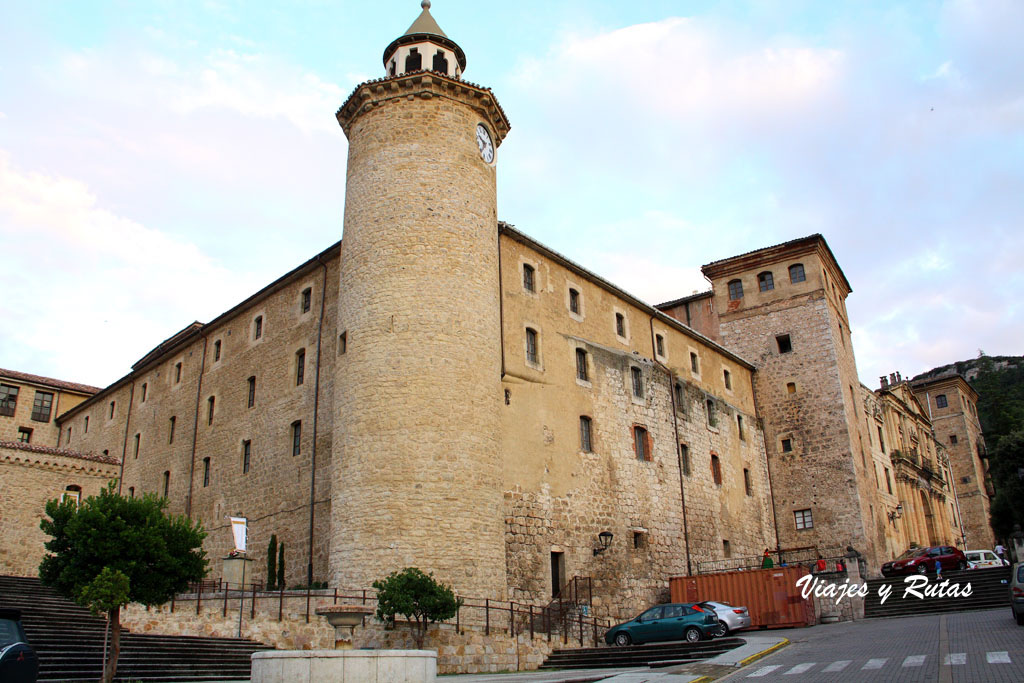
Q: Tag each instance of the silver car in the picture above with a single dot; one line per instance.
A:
(1017, 593)
(730, 618)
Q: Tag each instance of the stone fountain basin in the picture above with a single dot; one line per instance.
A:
(345, 615)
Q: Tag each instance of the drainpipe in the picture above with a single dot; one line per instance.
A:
(679, 455)
(195, 432)
(316, 419)
(127, 426)
(501, 309)
(768, 471)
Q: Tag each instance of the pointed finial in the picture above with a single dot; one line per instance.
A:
(425, 4)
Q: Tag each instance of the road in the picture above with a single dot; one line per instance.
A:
(985, 645)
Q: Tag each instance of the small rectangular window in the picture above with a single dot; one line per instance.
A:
(206, 472)
(680, 395)
(24, 435)
(716, 470)
(739, 428)
(746, 482)
(940, 401)
(531, 345)
(694, 362)
(167, 482)
(343, 343)
(216, 350)
(296, 437)
(787, 445)
(727, 378)
(246, 455)
(113, 406)
(888, 480)
(785, 346)
(586, 439)
(138, 442)
(170, 429)
(528, 280)
(209, 410)
(574, 301)
(712, 417)
(69, 435)
(252, 391)
(144, 388)
(638, 540)
(257, 327)
(803, 519)
(581, 365)
(8, 399)
(177, 372)
(131, 491)
(726, 549)
(684, 458)
(307, 299)
(641, 444)
(86, 424)
(638, 382)
(41, 406)
(300, 367)
(659, 344)
(881, 440)
(620, 324)
(952, 438)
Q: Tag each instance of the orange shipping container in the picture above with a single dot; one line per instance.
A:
(771, 595)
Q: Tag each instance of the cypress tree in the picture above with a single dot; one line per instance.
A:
(280, 565)
(272, 562)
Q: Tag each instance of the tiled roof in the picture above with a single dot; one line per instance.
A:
(48, 450)
(684, 300)
(49, 381)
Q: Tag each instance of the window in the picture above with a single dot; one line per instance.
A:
(796, 273)
(735, 290)
(581, 365)
(620, 324)
(131, 491)
(86, 424)
(252, 391)
(638, 541)
(746, 482)
(531, 345)
(392, 68)
(739, 428)
(144, 388)
(8, 399)
(170, 429)
(113, 406)
(694, 362)
(307, 300)
(24, 435)
(881, 440)
(659, 344)
(257, 327)
(803, 519)
(177, 372)
(638, 382)
(296, 437)
(888, 481)
(41, 406)
(138, 441)
(206, 472)
(940, 401)
(787, 445)
(209, 410)
(716, 470)
(785, 345)
(641, 443)
(167, 482)
(69, 435)
(712, 418)
(73, 493)
(726, 548)
(574, 301)
(727, 378)
(790, 387)
(246, 455)
(414, 61)
(680, 397)
(300, 366)
(528, 283)
(343, 343)
(684, 458)
(765, 281)
(586, 438)
(216, 350)
(952, 438)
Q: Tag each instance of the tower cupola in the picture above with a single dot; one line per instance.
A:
(424, 47)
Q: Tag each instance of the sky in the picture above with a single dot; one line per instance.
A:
(161, 161)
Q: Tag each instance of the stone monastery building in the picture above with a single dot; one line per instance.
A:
(440, 390)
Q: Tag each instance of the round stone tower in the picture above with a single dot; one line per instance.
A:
(417, 472)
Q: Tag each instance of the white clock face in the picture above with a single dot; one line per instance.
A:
(483, 141)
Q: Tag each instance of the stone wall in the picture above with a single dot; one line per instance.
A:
(29, 477)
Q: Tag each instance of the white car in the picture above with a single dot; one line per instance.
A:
(730, 618)
(983, 559)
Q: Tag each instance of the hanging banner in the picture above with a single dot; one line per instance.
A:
(240, 531)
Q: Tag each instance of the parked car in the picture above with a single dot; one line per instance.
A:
(730, 618)
(674, 621)
(924, 560)
(982, 559)
(1017, 592)
(18, 661)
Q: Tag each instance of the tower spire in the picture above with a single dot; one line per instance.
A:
(424, 47)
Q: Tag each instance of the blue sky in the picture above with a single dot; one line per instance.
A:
(161, 161)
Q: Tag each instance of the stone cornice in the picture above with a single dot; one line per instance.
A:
(57, 463)
(425, 85)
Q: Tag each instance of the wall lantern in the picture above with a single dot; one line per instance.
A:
(605, 537)
(897, 513)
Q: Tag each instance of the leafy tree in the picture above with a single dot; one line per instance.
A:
(272, 562)
(280, 566)
(415, 596)
(1006, 465)
(112, 550)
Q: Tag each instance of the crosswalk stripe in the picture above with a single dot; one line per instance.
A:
(875, 663)
(955, 659)
(914, 660)
(800, 668)
(764, 671)
(837, 666)
(1001, 657)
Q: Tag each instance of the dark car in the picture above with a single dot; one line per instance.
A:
(675, 621)
(18, 661)
(925, 560)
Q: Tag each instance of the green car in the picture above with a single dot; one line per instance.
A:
(674, 621)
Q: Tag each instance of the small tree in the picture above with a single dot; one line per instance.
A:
(415, 596)
(272, 562)
(280, 566)
(112, 550)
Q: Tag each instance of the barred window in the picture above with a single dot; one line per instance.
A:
(206, 472)
(528, 283)
(735, 290)
(586, 436)
(638, 382)
(300, 367)
(620, 324)
(684, 458)
(803, 519)
(574, 301)
(297, 437)
(246, 455)
(41, 406)
(581, 365)
(8, 399)
(252, 391)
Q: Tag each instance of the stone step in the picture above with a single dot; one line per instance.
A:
(661, 654)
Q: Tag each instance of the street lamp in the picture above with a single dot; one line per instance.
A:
(896, 514)
(605, 537)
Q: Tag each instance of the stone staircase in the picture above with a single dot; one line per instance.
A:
(657, 655)
(69, 642)
(989, 588)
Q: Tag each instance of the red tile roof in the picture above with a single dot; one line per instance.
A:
(48, 450)
(48, 381)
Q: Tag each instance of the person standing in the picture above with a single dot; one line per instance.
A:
(1001, 553)
(766, 560)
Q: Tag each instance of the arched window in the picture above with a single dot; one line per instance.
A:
(765, 281)
(440, 63)
(574, 301)
(796, 273)
(735, 290)
(414, 62)
(528, 283)
(72, 492)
